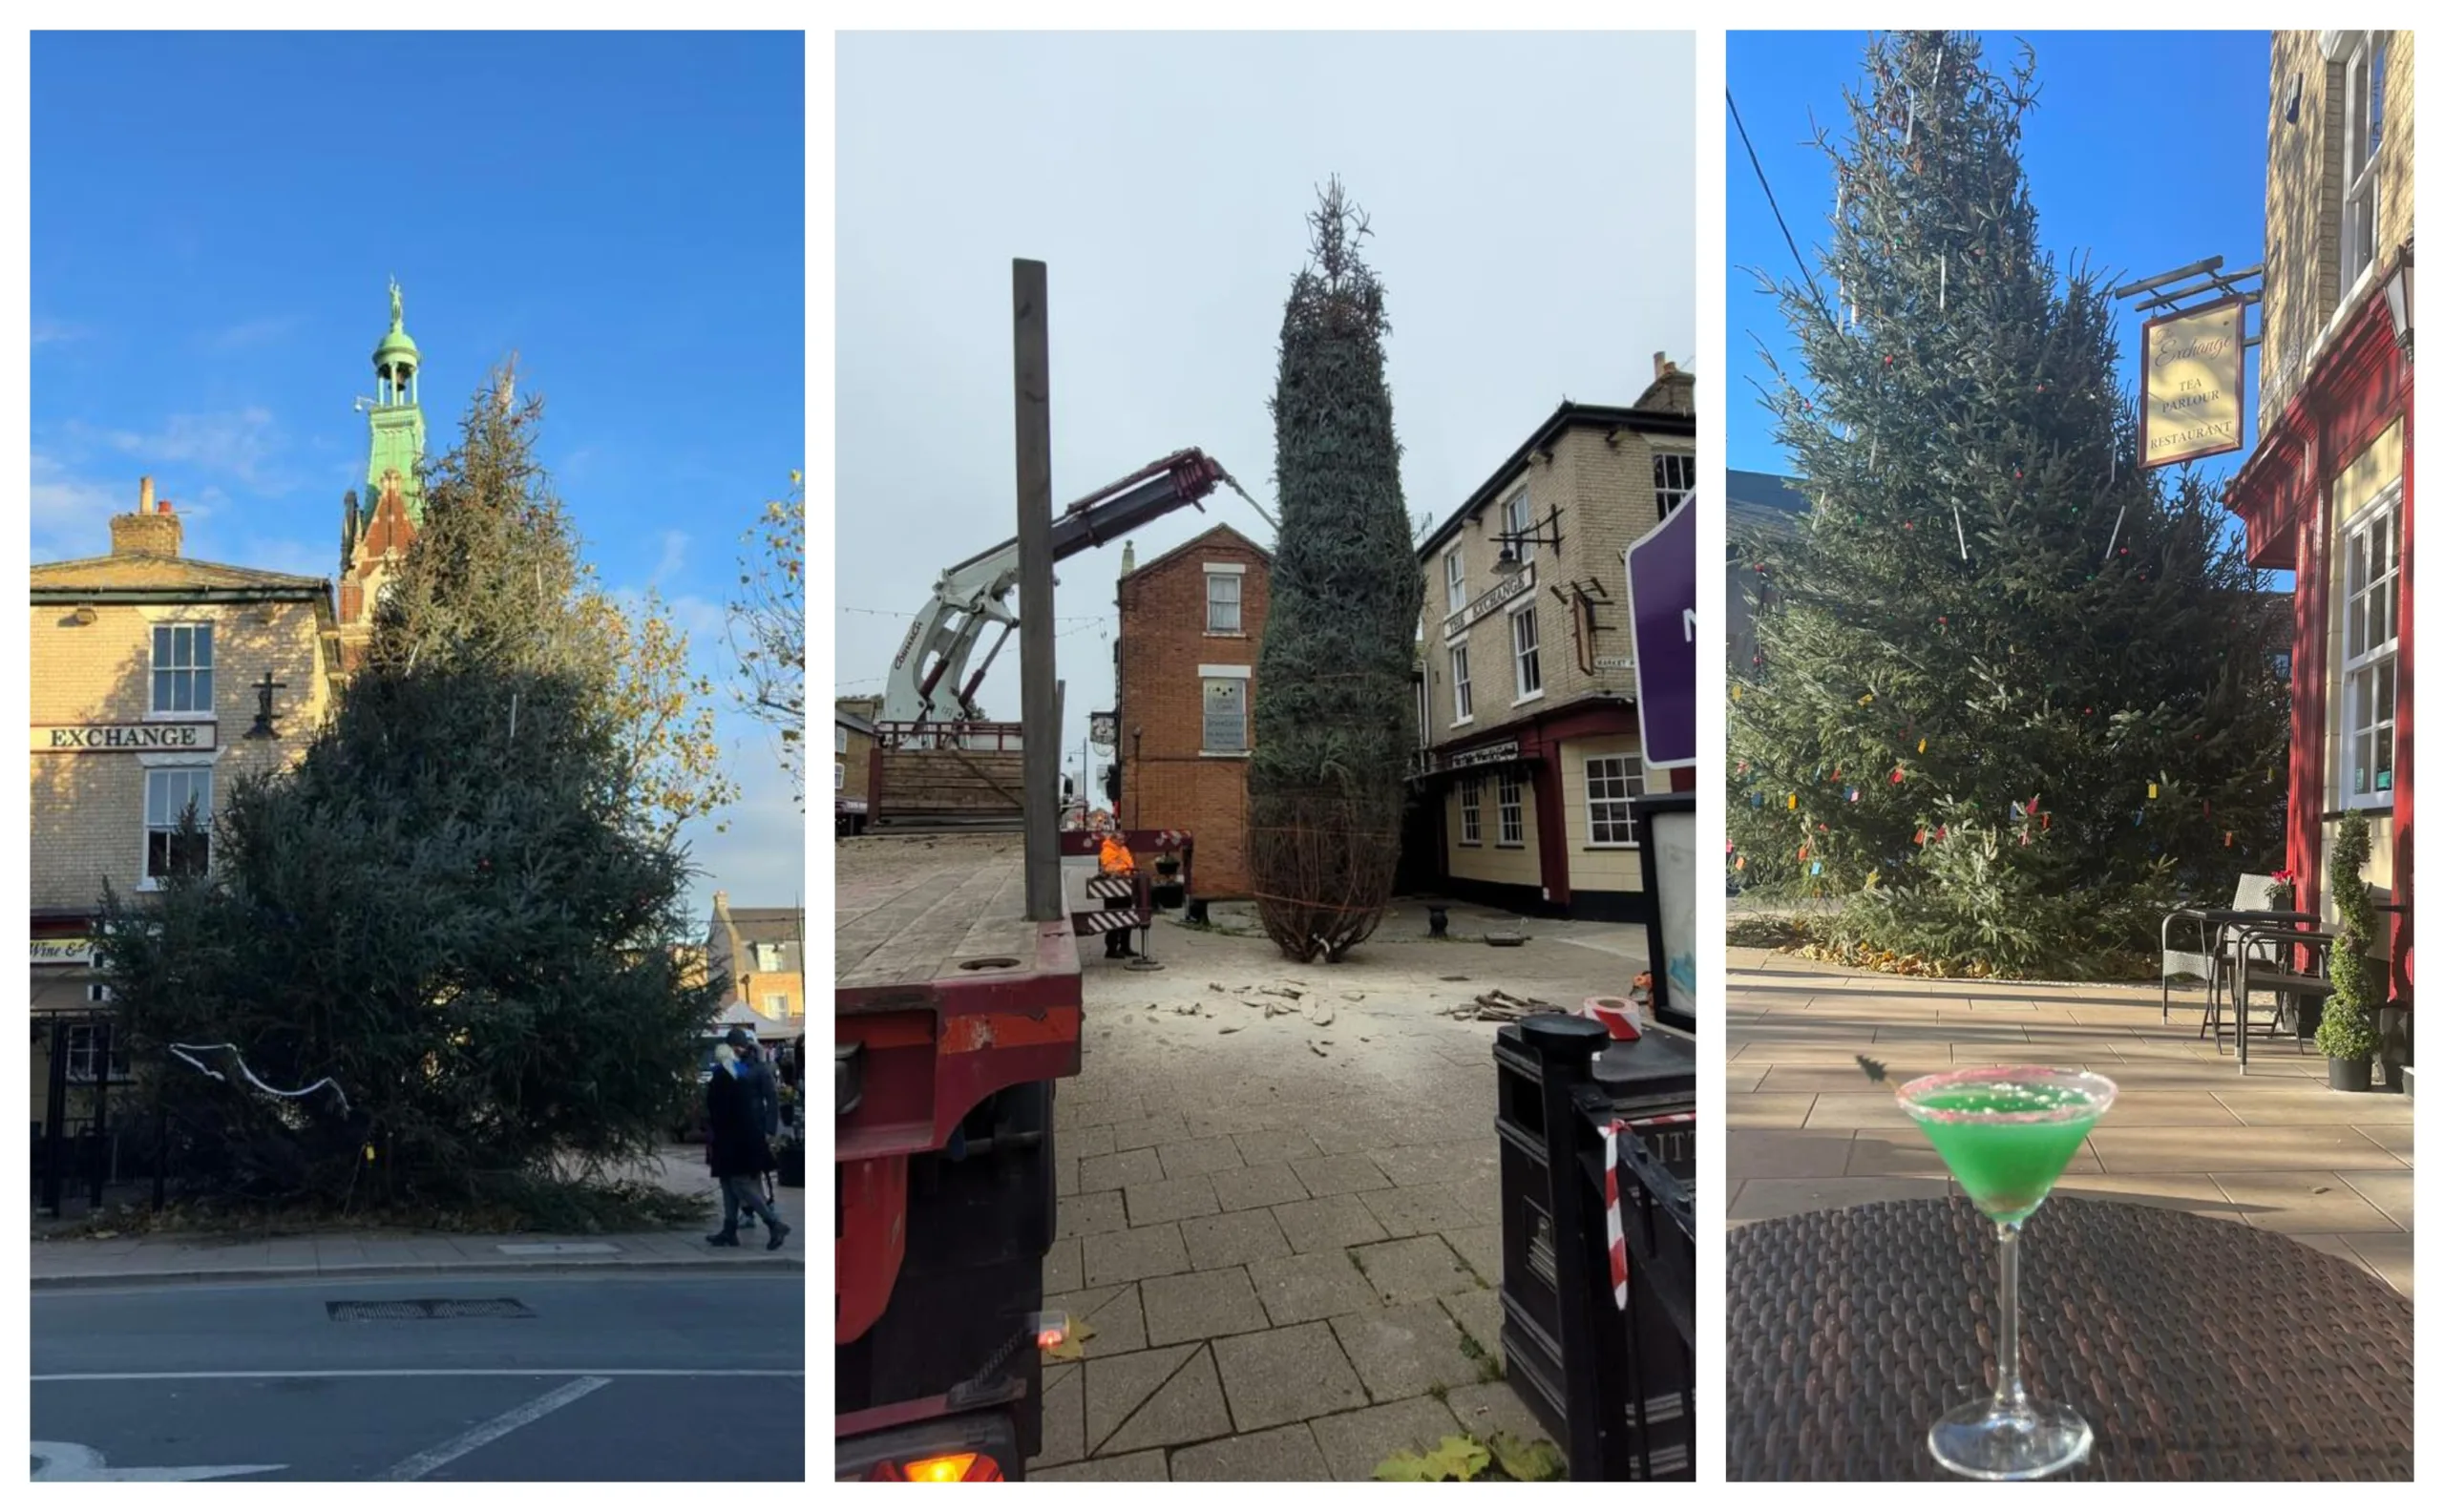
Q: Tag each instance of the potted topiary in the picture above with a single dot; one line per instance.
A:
(2346, 1034)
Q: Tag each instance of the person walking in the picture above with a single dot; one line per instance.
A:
(757, 1073)
(738, 1151)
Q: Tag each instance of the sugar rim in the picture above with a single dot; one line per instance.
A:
(2099, 1092)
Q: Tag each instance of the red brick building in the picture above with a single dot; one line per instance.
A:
(1190, 620)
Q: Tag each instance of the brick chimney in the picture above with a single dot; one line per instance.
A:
(1128, 557)
(1663, 367)
(721, 904)
(154, 530)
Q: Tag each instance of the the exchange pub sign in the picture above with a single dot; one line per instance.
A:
(157, 735)
(1491, 600)
(2191, 406)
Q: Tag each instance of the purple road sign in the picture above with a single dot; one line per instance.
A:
(1663, 634)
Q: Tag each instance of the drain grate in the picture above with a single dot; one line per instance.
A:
(428, 1308)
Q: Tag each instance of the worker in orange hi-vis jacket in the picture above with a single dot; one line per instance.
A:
(1116, 861)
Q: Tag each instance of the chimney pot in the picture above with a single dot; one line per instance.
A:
(144, 495)
(1662, 365)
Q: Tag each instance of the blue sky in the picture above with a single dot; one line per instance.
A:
(2092, 151)
(214, 218)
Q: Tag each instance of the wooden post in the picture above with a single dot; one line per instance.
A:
(1039, 702)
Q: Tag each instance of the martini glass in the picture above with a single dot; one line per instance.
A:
(2006, 1132)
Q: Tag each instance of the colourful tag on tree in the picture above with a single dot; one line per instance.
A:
(2151, 789)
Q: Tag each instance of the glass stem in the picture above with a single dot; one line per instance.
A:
(2009, 1394)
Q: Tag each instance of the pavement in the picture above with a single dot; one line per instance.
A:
(515, 1376)
(1280, 1214)
(158, 1259)
(2276, 1150)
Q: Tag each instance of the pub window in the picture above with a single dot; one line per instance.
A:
(1530, 675)
(182, 669)
(1676, 473)
(170, 794)
(85, 1053)
(1611, 782)
(1455, 581)
(1472, 798)
(1221, 603)
(2370, 650)
(1225, 716)
(1510, 809)
(1463, 703)
(2362, 133)
(1514, 524)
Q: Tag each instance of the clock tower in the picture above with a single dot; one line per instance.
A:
(374, 537)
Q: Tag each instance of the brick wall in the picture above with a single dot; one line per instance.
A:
(88, 807)
(1166, 781)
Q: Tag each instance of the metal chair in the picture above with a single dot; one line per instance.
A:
(2267, 964)
(2208, 938)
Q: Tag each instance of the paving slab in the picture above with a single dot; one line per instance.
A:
(2302, 1202)
(1118, 1386)
(1257, 1187)
(1203, 1304)
(1147, 1465)
(1328, 1222)
(1228, 1122)
(1115, 1314)
(1112, 1172)
(1147, 1133)
(1198, 1157)
(1064, 1270)
(1303, 1288)
(1401, 1352)
(1439, 1163)
(1752, 1152)
(1762, 1197)
(2388, 1256)
(2149, 1151)
(1493, 1408)
(1277, 1146)
(1233, 1239)
(2390, 1191)
(1064, 1416)
(1334, 1175)
(1768, 1110)
(1185, 1409)
(1479, 1247)
(1479, 1315)
(1353, 1444)
(1416, 1269)
(1093, 1214)
(1407, 1212)
(1288, 1452)
(1131, 1256)
(1284, 1375)
(1163, 1202)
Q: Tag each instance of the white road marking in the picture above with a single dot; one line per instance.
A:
(611, 1373)
(415, 1467)
(74, 1461)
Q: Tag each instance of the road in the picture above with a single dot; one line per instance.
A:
(655, 1377)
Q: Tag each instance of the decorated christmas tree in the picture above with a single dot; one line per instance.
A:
(1335, 713)
(2011, 695)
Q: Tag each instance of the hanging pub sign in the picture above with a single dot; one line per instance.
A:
(1490, 600)
(2193, 386)
(152, 735)
(1485, 755)
(63, 953)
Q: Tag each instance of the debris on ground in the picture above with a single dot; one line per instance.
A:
(1501, 1007)
(1513, 934)
(1229, 1029)
(1325, 1022)
(1318, 1049)
(1455, 979)
(1290, 993)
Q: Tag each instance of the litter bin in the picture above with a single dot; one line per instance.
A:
(1611, 1383)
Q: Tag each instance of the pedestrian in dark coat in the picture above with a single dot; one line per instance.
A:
(737, 1151)
(763, 1094)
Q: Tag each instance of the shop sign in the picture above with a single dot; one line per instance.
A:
(1604, 663)
(152, 735)
(1490, 600)
(1485, 755)
(63, 953)
(2194, 385)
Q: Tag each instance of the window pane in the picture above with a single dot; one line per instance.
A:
(202, 703)
(2385, 759)
(157, 799)
(160, 690)
(161, 650)
(2384, 692)
(2354, 635)
(203, 646)
(2360, 750)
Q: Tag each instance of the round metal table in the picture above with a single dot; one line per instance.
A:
(2198, 1349)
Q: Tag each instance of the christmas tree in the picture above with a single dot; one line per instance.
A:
(2011, 695)
(439, 951)
(1334, 710)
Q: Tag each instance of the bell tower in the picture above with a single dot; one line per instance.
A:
(374, 536)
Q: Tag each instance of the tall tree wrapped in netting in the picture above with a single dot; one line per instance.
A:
(2010, 695)
(434, 964)
(1335, 712)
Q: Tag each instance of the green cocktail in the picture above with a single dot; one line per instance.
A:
(2006, 1132)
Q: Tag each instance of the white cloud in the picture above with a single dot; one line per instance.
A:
(239, 445)
(760, 859)
(71, 513)
(674, 557)
(52, 332)
(250, 333)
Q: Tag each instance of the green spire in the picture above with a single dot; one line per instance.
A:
(397, 421)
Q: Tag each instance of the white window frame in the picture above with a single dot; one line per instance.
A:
(1518, 522)
(2376, 659)
(768, 957)
(2362, 136)
(1463, 697)
(1455, 579)
(776, 1005)
(839, 740)
(1247, 709)
(197, 709)
(1510, 811)
(1676, 478)
(80, 1048)
(1526, 661)
(839, 776)
(1472, 811)
(154, 767)
(1236, 575)
(1610, 808)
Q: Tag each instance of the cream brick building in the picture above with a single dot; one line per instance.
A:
(149, 672)
(1530, 684)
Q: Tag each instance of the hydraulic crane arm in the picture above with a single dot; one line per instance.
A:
(931, 682)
